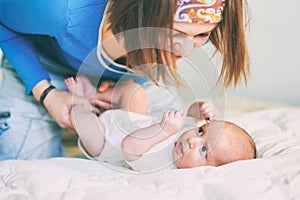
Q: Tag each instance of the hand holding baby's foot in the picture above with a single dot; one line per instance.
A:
(172, 122)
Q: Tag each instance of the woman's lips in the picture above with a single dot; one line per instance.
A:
(178, 57)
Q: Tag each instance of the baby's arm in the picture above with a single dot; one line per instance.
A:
(141, 141)
(89, 129)
(202, 110)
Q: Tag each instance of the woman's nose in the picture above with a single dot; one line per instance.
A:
(184, 46)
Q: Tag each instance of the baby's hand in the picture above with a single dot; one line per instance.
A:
(172, 122)
(207, 110)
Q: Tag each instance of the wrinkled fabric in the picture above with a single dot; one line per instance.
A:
(274, 175)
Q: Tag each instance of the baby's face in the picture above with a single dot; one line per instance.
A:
(200, 146)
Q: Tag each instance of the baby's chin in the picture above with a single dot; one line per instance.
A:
(182, 166)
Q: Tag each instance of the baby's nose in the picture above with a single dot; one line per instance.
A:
(195, 141)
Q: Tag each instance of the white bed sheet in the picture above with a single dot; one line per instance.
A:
(274, 175)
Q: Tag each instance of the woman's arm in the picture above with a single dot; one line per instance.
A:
(17, 43)
(21, 54)
(21, 22)
(141, 141)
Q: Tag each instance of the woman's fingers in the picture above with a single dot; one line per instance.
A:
(105, 85)
(101, 104)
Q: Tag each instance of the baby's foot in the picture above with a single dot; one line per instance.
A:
(74, 87)
(88, 89)
(172, 122)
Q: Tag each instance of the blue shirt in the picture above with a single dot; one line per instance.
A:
(64, 30)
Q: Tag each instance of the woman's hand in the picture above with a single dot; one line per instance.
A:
(103, 99)
(59, 105)
(105, 85)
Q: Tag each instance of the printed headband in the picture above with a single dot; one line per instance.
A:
(199, 11)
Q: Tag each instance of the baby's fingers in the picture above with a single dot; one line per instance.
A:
(209, 116)
(208, 111)
(174, 114)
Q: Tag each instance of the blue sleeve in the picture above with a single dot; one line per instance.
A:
(22, 56)
(20, 20)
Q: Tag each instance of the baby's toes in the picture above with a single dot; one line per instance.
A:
(178, 114)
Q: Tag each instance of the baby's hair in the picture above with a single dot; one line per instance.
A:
(248, 136)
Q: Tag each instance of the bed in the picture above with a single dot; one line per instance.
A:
(274, 175)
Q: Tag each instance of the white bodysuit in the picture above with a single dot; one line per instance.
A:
(119, 124)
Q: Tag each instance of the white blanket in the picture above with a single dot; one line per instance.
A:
(275, 175)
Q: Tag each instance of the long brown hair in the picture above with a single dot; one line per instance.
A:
(228, 38)
(149, 51)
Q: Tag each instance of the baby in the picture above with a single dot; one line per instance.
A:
(213, 143)
(130, 138)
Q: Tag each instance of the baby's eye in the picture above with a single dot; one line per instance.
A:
(200, 131)
(204, 151)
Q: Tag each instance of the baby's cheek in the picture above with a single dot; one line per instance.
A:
(191, 160)
(176, 158)
(174, 154)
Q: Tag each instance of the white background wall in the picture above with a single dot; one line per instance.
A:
(274, 41)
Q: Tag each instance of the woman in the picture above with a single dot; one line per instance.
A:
(46, 41)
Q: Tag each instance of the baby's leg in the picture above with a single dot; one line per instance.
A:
(81, 87)
(132, 97)
(74, 87)
(88, 89)
(89, 128)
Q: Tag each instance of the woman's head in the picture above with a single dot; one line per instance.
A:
(154, 45)
(147, 45)
(215, 144)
